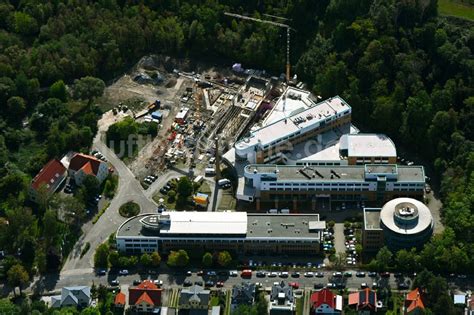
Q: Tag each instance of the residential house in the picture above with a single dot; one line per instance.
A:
(195, 300)
(82, 165)
(119, 301)
(79, 296)
(414, 303)
(365, 301)
(326, 302)
(51, 176)
(243, 294)
(144, 298)
(282, 300)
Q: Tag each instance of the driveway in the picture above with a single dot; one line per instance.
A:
(129, 189)
(339, 238)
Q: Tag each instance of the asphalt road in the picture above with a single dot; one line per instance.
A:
(129, 189)
(176, 279)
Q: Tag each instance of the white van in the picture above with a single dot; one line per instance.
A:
(210, 171)
(222, 182)
(198, 179)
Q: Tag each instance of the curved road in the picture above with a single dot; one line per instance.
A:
(129, 189)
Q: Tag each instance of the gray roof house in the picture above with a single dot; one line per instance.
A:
(195, 299)
(72, 296)
(282, 300)
(243, 294)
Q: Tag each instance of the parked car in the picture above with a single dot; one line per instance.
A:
(295, 274)
(318, 285)
(372, 274)
(114, 282)
(187, 283)
(198, 283)
(101, 272)
(123, 272)
(284, 274)
(360, 274)
(385, 274)
(260, 274)
(363, 285)
(136, 282)
(403, 286)
(233, 273)
(294, 285)
(320, 274)
(209, 283)
(189, 273)
(309, 274)
(337, 274)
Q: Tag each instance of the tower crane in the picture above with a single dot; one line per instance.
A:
(288, 29)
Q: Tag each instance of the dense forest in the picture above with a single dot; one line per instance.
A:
(404, 70)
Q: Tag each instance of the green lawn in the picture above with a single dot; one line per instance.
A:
(456, 8)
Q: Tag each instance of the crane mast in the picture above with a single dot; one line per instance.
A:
(288, 29)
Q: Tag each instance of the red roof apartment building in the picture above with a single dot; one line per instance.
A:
(51, 176)
(82, 165)
(326, 302)
(144, 298)
(365, 301)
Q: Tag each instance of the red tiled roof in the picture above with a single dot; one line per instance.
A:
(148, 287)
(49, 174)
(89, 164)
(414, 300)
(119, 299)
(324, 296)
(365, 299)
(354, 298)
(87, 169)
(144, 298)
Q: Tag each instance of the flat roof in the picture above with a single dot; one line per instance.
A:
(285, 226)
(222, 224)
(299, 100)
(372, 218)
(387, 216)
(188, 223)
(367, 144)
(297, 120)
(345, 172)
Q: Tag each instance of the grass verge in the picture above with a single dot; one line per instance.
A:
(100, 213)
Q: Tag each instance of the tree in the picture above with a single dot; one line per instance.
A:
(17, 276)
(58, 90)
(178, 258)
(155, 259)
(114, 258)
(185, 187)
(88, 88)
(340, 261)
(72, 209)
(101, 256)
(145, 260)
(207, 259)
(331, 223)
(224, 258)
(384, 258)
(110, 186)
(16, 106)
(7, 307)
(171, 195)
(90, 187)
